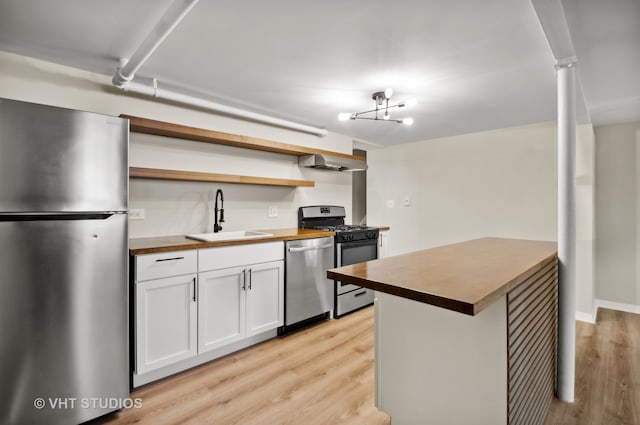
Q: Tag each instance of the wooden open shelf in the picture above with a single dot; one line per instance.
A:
(155, 173)
(161, 128)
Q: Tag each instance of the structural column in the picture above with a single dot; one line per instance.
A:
(566, 74)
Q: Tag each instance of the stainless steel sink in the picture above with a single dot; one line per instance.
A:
(229, 236)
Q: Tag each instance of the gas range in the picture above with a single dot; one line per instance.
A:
(353, 244)
(351, 232)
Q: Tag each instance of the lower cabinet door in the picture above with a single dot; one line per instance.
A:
(265, 297)
(166, 328)
(221, 312)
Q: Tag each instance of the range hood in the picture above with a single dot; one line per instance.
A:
(329, 162)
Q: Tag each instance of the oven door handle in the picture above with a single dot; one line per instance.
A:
(310, 248)
(353, 244)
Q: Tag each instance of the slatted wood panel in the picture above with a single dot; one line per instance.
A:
(532, 340)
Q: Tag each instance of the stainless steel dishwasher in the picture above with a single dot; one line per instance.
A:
(308, 292)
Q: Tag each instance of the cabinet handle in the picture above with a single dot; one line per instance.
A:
(194, 289)
(359, 294)
(244, 279)
(250, 278)
(169, 259)
(309, 248)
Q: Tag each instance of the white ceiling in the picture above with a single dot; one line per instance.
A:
(472, 65)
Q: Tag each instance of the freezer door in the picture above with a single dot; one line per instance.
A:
(54, 159)
(63, 319)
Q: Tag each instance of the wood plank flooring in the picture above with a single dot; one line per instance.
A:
(320, 375)
(607, 373)
(323, 375)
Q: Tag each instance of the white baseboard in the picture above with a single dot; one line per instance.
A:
(612, 305)
(586, 317)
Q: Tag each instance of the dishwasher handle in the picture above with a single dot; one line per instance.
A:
(309, 248)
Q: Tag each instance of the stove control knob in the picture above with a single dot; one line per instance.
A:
(371, 235)
(348, 237)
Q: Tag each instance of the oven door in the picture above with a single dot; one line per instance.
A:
(351, 253)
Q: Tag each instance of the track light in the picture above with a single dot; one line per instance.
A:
(381, 99)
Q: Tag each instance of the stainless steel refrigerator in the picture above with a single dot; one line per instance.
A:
(63, 264)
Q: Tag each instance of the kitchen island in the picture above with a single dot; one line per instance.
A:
(464, 333)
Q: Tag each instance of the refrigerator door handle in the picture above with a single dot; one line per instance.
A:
(55, 216)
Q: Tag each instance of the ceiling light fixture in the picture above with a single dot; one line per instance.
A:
(381, 99)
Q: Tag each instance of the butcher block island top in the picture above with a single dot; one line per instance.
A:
(465, 277)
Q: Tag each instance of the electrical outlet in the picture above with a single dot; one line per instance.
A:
(136, 214)
(390, 204)
(272, 211)
(406, 201)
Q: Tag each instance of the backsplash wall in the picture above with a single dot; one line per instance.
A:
(175, 207)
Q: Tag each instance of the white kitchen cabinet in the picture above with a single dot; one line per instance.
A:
(165, 321)
(194, 306)
(265, 297)
(239, 302)
(165, 316)
(221, 316)
(383, 244)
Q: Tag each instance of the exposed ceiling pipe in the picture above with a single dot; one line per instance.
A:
(185, 99)
(123, 78)
(163, 28)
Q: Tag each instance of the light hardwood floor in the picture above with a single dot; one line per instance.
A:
(323, 375)
(320, 375)
(607, 388)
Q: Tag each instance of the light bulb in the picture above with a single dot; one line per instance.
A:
(386, 116)
(388, 93)
(407, 121)
(344, 116)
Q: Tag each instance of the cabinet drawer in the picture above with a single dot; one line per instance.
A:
(239, 255)
(354, 300)
(153, 266)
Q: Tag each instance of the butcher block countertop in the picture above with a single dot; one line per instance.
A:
(138, 246)
(465, 277)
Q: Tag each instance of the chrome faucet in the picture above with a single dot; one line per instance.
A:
(216, 226)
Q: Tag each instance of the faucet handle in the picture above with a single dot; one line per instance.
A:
(221, 215)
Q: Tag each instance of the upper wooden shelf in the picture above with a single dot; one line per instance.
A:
(161, 128)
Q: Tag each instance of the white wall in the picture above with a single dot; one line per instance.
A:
(184, 207)
(617, 214)
(585, 222)
(500, 183)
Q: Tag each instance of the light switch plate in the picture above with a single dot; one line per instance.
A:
(272, 211)
(136, 214)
